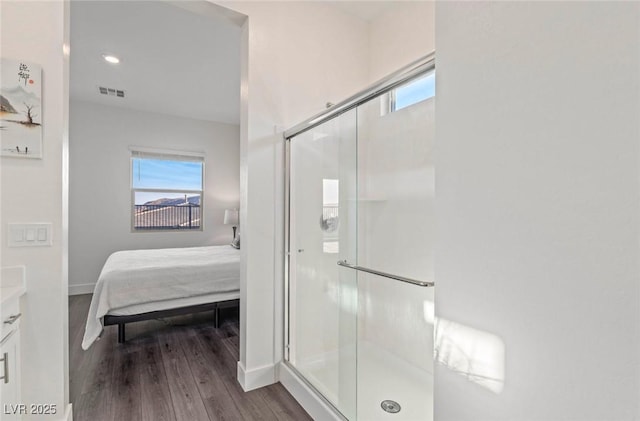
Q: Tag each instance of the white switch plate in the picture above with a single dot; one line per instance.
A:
(29, 235)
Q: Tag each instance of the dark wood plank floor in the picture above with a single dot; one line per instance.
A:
(178, 368)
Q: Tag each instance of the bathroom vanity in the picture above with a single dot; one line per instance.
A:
(12, 287)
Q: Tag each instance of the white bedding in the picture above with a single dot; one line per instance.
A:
(137, 277)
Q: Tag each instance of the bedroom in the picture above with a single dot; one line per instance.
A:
(177, 100)
(528, 212)
(173, 133)
(154, 153)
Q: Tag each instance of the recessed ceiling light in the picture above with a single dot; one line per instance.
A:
(111, 59)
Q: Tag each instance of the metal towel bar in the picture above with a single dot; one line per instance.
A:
(386, 275)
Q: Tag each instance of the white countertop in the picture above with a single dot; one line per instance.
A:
(12, 283)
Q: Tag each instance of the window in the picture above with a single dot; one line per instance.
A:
(166, 190)
(330, 218)
(412, 92)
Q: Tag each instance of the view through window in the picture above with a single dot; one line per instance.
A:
(413, 92)
(166, 191)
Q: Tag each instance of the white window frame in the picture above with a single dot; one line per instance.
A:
(170, 155)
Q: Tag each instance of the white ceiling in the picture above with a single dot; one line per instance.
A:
(173, 61)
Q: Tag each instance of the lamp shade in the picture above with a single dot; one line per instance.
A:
(231, 217)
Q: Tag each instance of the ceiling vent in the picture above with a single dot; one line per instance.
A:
(111, 92)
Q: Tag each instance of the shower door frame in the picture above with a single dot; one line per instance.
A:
(415, 69)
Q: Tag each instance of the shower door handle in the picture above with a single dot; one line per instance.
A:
(386, 275)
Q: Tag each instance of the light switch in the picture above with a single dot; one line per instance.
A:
(29, 235)
(17, 235)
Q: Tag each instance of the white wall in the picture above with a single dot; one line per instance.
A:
(300, 55)
(100, 195)
(400, 35)
(34, 191)
(537, 210)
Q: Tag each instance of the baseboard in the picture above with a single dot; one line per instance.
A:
(68, 413)
(258, 377)
(306, 397)
(81, 289)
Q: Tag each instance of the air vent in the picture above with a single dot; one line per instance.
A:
(111, 91)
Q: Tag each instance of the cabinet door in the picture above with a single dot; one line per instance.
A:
(10, 386)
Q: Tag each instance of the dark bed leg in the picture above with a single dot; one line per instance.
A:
(121, 333)
(216, 317)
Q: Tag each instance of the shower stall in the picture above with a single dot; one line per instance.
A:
(359, 312)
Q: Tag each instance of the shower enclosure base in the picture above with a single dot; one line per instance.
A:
(402, 382)
(410, 386)
(306, 397)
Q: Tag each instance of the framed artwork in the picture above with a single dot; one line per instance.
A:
(20, 109)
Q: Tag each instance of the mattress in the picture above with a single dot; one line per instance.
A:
(148, 280)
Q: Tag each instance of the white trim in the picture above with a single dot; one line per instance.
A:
(306, 397)
(256, 378)
(146, 190)
(81, 289)
(68, 413)
(144, 152)
(279, 252)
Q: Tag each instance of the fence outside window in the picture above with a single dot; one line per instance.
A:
(166, 217)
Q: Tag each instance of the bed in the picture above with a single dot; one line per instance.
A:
(137, 285)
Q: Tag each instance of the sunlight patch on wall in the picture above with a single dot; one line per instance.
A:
(477, 355)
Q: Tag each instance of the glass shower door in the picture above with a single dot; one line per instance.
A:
(395, 235)
(322, 231)
(360, 307)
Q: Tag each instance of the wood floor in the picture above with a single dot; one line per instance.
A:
(178, 368)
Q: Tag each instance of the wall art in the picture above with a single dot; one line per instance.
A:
(20, 109)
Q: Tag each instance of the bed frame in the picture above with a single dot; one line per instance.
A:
(122, 320)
